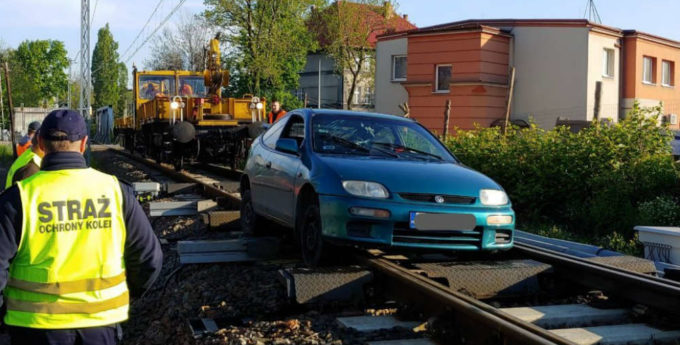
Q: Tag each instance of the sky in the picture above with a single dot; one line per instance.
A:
(60, 19)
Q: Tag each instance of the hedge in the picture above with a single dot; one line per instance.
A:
(592, 182)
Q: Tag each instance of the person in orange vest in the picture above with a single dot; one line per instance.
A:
(276, 112)
(186, 90)
(25, 141)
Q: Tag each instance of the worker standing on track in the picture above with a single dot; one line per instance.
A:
(25, 141)
(276, 112)
(74, 245)
(27, 164)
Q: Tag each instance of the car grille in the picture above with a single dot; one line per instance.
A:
(448, 199)
(403, 234)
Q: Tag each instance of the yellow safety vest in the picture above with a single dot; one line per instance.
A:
(21, 162)
(69, 270)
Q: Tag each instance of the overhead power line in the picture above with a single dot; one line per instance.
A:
(162, 23)
(96, 2)
(158, 5)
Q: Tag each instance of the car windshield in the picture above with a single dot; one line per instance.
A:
(193, 86)
(375, 136)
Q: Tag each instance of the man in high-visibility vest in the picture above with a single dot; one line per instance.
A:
(25, 141)
(74, 245)
(27, 164)
(276, 112)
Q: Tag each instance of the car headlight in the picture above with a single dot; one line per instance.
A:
(493, 197)
(366, 189)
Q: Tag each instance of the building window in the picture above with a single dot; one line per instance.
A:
(443, 78)
(648, 70)
(608, 63)
(667, 73)
(399, 67)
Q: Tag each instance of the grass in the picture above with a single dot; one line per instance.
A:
(6, 155)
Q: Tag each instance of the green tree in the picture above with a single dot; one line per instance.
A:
(38, 72)
(344, 29)
(121, 104)
(105, 70)
(268, 42)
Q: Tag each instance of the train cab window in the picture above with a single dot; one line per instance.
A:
(295, 129)
(151, 86)
(191, 86)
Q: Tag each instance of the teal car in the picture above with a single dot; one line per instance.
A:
(372, 179)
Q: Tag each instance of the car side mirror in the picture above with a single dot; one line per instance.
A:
(287, 145)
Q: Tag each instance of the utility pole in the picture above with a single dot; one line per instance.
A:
(11, 109)
(85, 70)
(2, 113)
(318, 93)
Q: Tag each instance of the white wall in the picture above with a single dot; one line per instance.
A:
(389, 94)
(551, 73)
(609, 104)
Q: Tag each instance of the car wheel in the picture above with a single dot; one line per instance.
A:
(249, 219)
(311, 241)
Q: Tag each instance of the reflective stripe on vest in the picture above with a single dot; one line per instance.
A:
(19, 163)
(69, 270)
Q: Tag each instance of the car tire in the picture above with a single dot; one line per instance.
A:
(311, 236)
(249, 219)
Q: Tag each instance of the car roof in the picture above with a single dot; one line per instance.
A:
(311, 111)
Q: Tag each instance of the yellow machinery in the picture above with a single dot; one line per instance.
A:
(180, 115)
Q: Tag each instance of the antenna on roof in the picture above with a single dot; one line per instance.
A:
(591, 13)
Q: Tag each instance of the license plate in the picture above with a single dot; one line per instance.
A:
(442, 221)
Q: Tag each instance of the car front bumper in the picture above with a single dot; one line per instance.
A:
(339, 224)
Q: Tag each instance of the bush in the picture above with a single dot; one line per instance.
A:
(663, 210)
(592, 182)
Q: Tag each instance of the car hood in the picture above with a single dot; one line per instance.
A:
(401, 176)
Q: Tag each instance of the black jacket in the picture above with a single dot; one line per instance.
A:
(143, 255)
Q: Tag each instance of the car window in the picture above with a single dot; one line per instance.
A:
(411, 138)
(295, 129)
(272, 134)
(375, 136)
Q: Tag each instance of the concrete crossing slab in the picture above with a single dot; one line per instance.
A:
(630, 334)
(568, 315)
(374, 323)
(419, 341)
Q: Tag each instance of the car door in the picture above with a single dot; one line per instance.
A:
(284, 168)
(261, 168)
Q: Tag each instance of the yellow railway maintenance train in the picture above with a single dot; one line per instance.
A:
(180, 116)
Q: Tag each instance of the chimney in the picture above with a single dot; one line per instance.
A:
(388, 11)
(405, 16)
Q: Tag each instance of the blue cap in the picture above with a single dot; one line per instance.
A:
(34, 126)
(67, 121)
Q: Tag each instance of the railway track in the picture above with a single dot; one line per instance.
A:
(641, 299)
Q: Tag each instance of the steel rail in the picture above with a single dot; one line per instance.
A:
(510, 328)
(208, 190)
(644, 289)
